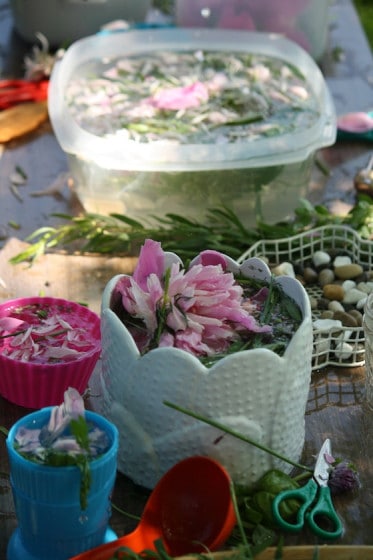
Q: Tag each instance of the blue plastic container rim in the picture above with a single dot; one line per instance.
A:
(40, 418)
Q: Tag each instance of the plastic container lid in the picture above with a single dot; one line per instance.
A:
(157, 156)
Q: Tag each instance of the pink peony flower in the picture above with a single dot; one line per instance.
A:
(200, 310)
(175, 99)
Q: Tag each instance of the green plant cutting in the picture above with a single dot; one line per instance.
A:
(221, 231)
(67, 439)
(256, 529)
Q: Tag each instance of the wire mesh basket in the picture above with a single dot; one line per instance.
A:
(299, 249)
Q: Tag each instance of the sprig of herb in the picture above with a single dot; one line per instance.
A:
(222, 230)
(237, 435)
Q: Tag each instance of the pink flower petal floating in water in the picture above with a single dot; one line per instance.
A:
(358, 122)
(10, 324)
(61, 416)
(43, 335)
(175, 99)
(55, 436)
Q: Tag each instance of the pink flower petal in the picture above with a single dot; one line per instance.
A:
(175, 99)
(151, 261)
(355, 122)
(210, 257)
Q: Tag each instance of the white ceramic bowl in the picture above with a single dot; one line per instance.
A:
(255, 392)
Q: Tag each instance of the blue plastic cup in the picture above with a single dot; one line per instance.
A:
(51, 523)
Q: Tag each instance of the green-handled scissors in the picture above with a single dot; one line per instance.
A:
(316, 502)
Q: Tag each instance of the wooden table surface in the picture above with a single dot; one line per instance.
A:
(335, 407)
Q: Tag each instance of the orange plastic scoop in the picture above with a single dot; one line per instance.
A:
(190, 509)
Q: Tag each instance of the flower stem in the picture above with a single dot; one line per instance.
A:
(4, 431)
(235, 434)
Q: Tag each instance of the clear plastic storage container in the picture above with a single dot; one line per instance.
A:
(256, 179)
(303, 21)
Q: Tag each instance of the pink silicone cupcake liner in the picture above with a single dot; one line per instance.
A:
(36, 385)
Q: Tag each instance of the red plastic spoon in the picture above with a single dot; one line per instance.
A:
(190, 509)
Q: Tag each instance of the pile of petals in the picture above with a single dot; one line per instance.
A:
(39, 444)
(36, 338)
(201, 310)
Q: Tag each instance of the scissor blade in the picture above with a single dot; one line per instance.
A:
(322, 467)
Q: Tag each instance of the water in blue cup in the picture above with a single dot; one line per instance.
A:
(51, 522)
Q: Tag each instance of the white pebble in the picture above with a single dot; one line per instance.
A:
(361, 303)
(345, 335)
(284, 269)
(327, 324)
(343, 350)
(341, 261)
(363, 287)
(335, 306)
(320, 257)
(321, 346)
(348, 285)
(353, 296)
(369, 286)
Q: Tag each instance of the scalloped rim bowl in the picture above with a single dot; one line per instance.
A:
(255, 392)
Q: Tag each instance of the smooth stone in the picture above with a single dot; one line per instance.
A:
(336, 306)
(326, 325)
(321, 348)
(361, 278)
(284, 269)
(310, 275)
(365, 287)
(321, 258)
(300, 279)
(313, 302)
(362, 286)
(342, 261)
(346, 319)
(357, 316)
(326, 276)
(348, 271)
(345, 335)
(298, 268)
(323, 303)
(343, 350)
(327, 314)
(348, 285)
(353, 296)
(333, 292)
(361, 303)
